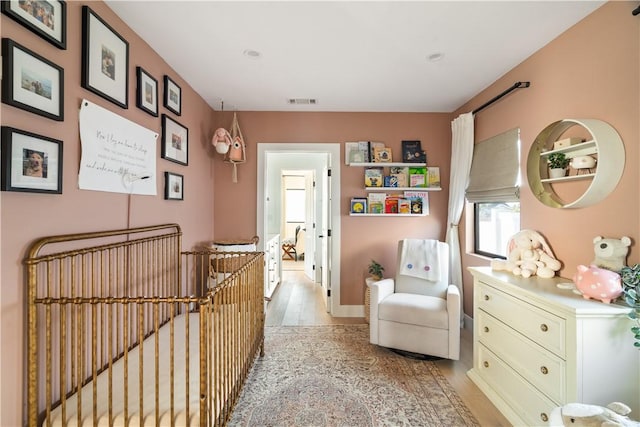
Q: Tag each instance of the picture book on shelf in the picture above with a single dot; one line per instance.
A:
(373, 177)
(382, 155)
(401, 173)
(412, 152)
(358, 205)
(433, 176)
(376, 202)
(418, 177)
(419, 201)
(404, 206)
(391, 181)
(353, 154)
(391, 205)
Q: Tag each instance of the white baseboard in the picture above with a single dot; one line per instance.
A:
(348, 311)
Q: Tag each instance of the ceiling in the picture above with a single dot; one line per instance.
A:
(348, 56)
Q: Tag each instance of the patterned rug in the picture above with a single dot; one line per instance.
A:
(332, 376)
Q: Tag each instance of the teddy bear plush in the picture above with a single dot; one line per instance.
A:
(583, 415)
(611, 253)
(528, 255)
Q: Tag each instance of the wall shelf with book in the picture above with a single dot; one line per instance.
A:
(402, 188)
(386, 214)
(386, 164)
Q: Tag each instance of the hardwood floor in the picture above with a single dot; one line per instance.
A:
(298, 301)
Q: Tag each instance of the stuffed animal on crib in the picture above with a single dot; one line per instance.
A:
(528, 255)
(583, 415)
(221, 140)
(598, 283)
(611, 253)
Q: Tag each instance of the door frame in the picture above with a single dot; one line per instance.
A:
(332, 152)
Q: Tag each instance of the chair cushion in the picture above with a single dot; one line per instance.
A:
(421, 310)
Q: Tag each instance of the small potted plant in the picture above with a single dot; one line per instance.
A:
(375, 269)
(631, 292)
(558, 163)
(375, 274)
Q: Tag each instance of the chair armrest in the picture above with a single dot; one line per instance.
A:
(454, 309)
(381, 289)
(378, 291)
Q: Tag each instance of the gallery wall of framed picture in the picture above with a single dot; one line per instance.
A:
(33, 82)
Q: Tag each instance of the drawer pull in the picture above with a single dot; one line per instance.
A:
(544, 328)
(486, 297)
(544, 417)
(544, 370)
(486, 364)
(486, 329)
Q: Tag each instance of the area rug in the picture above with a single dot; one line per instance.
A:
(332, 376)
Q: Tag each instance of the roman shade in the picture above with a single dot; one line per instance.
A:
(495, 169)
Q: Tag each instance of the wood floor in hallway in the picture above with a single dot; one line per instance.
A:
(299, 302)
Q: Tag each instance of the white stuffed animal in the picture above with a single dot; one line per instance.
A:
(583, 415)
(611, 253)
(528, 255)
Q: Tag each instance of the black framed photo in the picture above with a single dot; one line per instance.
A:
(175, 141)
(172, 96)
(147, 92)
(31, 82)
(46, 18)
(105, 59)
(30, 163)
(173, 186)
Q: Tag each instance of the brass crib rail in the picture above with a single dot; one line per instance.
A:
(107, 320)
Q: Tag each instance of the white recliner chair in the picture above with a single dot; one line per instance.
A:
(417, 315)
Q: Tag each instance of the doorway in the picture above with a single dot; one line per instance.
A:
(298, 221)
(324, 234)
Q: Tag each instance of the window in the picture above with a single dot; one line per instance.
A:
(494, 224)
(494, 189)
(295, 205)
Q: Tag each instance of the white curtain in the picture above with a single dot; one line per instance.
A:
(461, 155)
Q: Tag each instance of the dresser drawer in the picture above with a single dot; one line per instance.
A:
(532, 406)
(546, 329)
(542, 368)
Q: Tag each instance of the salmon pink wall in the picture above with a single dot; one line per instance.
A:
(363, 238)
(26, 216)
(590, 71)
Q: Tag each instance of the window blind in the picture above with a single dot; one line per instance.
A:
(495, 169)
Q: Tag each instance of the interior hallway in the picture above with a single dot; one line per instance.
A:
(298, 301)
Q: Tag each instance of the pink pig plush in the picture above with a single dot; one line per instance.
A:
(598, 283)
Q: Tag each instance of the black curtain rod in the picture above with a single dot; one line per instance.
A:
(636, 11)
(517, 85)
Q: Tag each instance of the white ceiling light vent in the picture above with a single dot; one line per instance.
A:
(302, 101)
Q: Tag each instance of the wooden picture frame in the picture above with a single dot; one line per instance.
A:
(173, 186)
(172, 96)
(31, 82)
(105, 59)
(46, 18)
(146, 92)
(30, 163)
(175, 141)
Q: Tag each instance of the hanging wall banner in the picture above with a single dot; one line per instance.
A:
(118, 155)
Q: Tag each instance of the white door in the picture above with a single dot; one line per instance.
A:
(310, 228)
(326, 238)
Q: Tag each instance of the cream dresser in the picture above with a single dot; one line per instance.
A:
(536, 347)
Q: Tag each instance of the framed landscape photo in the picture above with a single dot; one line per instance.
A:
(46, 18)
(30, 162)
(105, 59)
(147, 92)
(175, 141)
(172, 96)
(31, 82)
(173, 186)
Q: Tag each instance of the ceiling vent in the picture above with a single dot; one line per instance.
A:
(302, 101)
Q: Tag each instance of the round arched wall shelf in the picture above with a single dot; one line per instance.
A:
(604, 143)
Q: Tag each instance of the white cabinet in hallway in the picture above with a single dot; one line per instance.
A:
(273, 269)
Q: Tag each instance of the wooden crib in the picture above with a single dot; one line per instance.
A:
(125, 329)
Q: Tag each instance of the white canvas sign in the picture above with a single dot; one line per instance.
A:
(118, 155)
